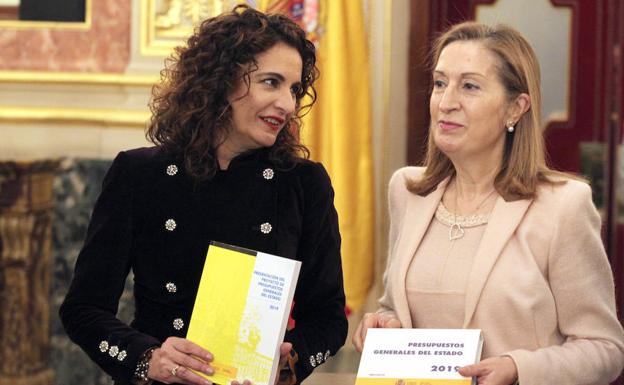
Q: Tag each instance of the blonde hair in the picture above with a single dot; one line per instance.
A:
(524, 164)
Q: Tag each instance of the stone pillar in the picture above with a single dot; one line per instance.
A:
(25, 261)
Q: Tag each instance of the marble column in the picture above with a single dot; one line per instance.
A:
(25, 228)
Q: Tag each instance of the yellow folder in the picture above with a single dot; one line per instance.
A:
(241, 311)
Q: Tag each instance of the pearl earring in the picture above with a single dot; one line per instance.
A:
(510, 127)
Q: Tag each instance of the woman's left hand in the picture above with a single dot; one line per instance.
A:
(285, 348)
(492, 371)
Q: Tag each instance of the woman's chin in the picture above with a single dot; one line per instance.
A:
(448, 148)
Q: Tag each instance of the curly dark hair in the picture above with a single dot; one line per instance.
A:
(190, 108)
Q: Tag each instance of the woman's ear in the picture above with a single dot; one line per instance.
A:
(519, 106)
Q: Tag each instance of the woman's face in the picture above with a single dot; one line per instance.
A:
(261, 112)
(469, 105)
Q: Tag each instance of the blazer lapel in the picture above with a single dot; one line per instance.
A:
(504, 220)
(418, 215)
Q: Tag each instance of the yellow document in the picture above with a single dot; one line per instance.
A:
(241, 311)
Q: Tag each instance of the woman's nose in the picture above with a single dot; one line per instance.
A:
(448, 100)
(286, 102)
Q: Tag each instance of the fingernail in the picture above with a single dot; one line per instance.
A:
(208, 370)
(209, 357)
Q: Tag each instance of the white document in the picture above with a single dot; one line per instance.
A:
(418, 356)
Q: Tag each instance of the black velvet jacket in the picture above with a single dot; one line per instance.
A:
(153, 219)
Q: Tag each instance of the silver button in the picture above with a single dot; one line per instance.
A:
(312, 361)
(113, 351)
(266, 228)
(122, 355)
(172, 169)
(171, 287)
(178, 323)
(170, 224)
(268, 173)
(326, 355)
(103, 346)
(319, 358)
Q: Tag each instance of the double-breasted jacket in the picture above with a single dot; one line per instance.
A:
(153, 219)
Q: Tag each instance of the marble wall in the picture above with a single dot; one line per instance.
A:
(75, 190)
(102, 47)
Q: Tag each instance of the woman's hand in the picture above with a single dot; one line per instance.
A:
(372, 320)
(285, 348)
(492, 371)
(173, 361)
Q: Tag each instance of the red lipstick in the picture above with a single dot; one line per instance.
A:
(274, 122)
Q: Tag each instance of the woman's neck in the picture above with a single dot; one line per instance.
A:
(474, 182)
(225, 153)
(472, 189)
(475, 175)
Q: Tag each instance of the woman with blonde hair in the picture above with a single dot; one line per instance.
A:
(487, 236)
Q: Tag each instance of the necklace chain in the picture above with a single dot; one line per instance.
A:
(456, 231)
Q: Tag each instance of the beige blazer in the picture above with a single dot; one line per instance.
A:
(540, 288)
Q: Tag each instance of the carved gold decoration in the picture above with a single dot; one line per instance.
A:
(171, 18)
(166, 23)
(25, 236)
(23, 24)
(105, 117)
(87, 78)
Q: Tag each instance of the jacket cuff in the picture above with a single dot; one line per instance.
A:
(120, 359)
(527, 373)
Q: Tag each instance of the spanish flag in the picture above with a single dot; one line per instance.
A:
(338, 128)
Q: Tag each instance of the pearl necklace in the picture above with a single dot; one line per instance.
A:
(456, 231)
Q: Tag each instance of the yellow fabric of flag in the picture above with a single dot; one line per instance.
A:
(338, 132)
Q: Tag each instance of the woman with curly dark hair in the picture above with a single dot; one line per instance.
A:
(228, 167)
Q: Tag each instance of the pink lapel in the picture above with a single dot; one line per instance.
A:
(418, 214)
(504, 220)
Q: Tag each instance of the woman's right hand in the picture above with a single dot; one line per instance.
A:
(173, 361)
(373, 320)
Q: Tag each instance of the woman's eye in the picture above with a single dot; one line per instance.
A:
(438, 84)
(471, 86)
(295, 90)
(271, 82)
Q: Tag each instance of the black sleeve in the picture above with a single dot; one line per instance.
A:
(319, 310)
(89, 310)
